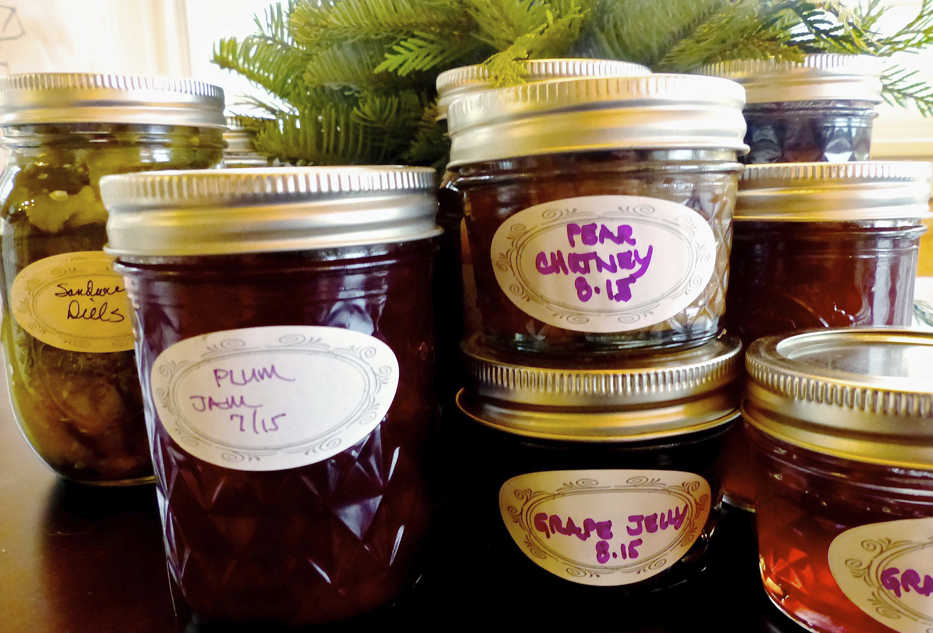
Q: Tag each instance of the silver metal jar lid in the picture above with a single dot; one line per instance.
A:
(239, 138)
(815, 78)
(226, 211)
(825, 192)
(627, 399)
(37, 98)
(577, 115)
(864, 394)
(455, 83)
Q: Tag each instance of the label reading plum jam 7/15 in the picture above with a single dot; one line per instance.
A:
(74, 301)
(604, 263)
(886, 569)
(605, 527)
(273, 398)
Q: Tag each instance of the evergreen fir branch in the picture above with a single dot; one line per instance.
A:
(318, 24)
(390, 113)
(352, 66)
(430, 145)
(423, 51)
(274, 23)
(900, 86)
(274, 66)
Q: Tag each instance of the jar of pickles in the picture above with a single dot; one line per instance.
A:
(67, 335)
(599, 211)
(842, 422)
(820, 108)
(286, 353)
(599, 480)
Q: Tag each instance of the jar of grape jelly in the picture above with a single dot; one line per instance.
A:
(818, 109)
(455, 298)
(821, 245)
(842, 421)
(285, 347)
(67, 337)
(598, 479)
(599, 211)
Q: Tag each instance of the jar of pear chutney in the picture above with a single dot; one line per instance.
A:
(285, 348)
(599, 211)
(598, 481)
(842, 421)
(67, 337)
(820, 108)
(455, 299)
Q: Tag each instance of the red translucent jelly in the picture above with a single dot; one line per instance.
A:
(332, 524)
(845, 495)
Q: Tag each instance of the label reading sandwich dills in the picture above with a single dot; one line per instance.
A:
(74, 301)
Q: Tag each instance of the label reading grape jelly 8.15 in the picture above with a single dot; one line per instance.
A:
(605, 527)
(74, 301)
(886, 569)
(273, 398)
(604, 263)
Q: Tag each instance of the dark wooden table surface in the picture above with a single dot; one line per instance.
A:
(88, 560)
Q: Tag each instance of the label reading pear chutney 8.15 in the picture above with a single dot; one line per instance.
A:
(604, 263)
(886, 569)
(605, 527)
(74, 301)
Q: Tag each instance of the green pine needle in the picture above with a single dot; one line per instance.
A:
(901, 87)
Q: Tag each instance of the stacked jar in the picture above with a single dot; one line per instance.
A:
(455, 294)
(598, 215)
(67, 335)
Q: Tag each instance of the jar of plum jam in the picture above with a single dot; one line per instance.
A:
(455, 299)
(598, 481)
(842, 421)
(67, 336)
(821, 245)
(599, 211)
(818, 109)
(285, 347)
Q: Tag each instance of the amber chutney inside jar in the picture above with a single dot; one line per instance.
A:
(285, 347)
(599, 211)
(67, 336)
(594, 483)
(841, 422)
(818, 109)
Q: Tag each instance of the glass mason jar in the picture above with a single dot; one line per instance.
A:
(455, 300)
(240, 137)
(67, 335)
(821, 245)
(600, 480)
(842, 422)
(286, 353)
(819, 109)
(599, 211)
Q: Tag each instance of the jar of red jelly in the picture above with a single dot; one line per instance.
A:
(285, 346)
(455, 299)
(842, 422)
(821, 245)
(818, 109)
(599, 211)
(599, 480)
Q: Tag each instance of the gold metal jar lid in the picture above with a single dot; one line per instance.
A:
(226, 211)
(577, 115)
(823, 192)
(864, 394)
(37, 98)
(819, 77)
(455, 83)
(628, 399)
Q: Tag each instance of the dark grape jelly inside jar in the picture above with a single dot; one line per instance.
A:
(285, 347)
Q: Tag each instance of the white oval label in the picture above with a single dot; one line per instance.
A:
(604, 263)
(605, 527)
(272, 398)
(886, 569)
(74, 301)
